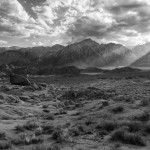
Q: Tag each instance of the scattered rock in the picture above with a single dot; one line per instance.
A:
(19, 80)
(28, 88)
(35, 86)
(105, 103)
(5, 88)
(9, 98)
(43, 85)
(24, 98)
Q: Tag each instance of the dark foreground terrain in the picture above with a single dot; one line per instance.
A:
(76, 113)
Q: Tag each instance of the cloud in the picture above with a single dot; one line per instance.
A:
(15, 21)
(3, 42)
(112, 19)
(124, 21)
(37, 43)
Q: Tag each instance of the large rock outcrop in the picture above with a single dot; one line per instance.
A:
(19, 80)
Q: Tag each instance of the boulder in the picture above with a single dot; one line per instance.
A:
(19, 80)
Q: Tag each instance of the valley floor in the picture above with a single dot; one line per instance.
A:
(76, 113)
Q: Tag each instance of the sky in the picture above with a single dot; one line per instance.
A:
(27, 23)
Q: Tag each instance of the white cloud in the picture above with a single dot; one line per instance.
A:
(37, 43)
(104, 20)
(3, 42)
(44, 13)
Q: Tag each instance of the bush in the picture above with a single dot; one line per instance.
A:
(50, 117)
(118, 109)
(60, 135)
(2, 135)
(127, 138)
(31, 125)
(46, 110)
(5, 145)
(19, 128)
(25, 139)
(48, 129)
(88, 122)
(45, 106)
(45, 147)
(38, 131)
(107, 125)
(147, 128)
(144, 102)
(133, 126)
(144, 116)
(75, 131)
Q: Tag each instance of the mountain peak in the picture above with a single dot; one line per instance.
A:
(87, 40)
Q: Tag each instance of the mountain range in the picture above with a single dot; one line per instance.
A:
(86, 53)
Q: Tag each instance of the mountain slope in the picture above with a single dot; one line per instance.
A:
(138, 52)
(12, 56)
(88, 53)
(53, 50)
(41, 51)
(142, 55)
(25, 56)
(143, 61)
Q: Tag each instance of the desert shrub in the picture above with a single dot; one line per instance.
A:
(124, 98)
(46, 110)
(132, 126)
(75, 131)
(24, 139)
(81, 127)
(105, 103)
(76, 114)
(19, 128)
(144, 102)
(60, 135)
(146, 128)
(36, 140)
(144, 116)
(117, 146)
(45, 106)
(6, 118)
(48, 129)
(101, 134)
(84, 129)
(127, 138)
(5, 145)
(2, 135)
(49, 117)
(88, 122)
(31, 125)
(62, 111)
(117, 109)
(38, 131)
(45, 147)
(107, 125)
